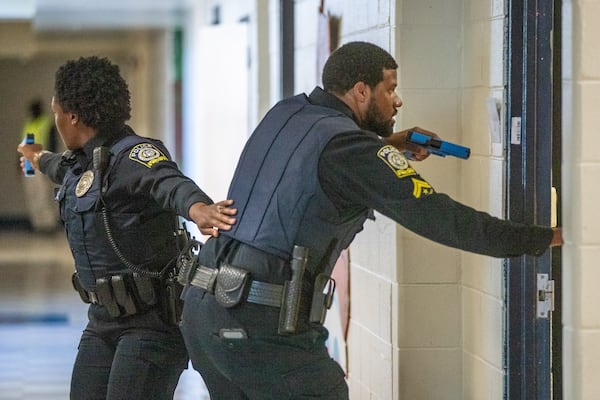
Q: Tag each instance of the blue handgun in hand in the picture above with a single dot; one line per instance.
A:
(438, 147)
(29, 171)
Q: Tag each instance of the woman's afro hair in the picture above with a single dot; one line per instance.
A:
(93, 88)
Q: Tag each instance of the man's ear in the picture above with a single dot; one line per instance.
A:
(74, 119)
(361, 92)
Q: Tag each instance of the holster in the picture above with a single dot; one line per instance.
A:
(171, 302)
(292, 292)
(231, 286)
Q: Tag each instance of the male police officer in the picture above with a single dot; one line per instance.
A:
(306, 181)
(119, 196)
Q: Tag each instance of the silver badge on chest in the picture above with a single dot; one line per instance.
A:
(85, 183)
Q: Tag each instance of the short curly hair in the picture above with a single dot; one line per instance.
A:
(356, 62)
(93, 88)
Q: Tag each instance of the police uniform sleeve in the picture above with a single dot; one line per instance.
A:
(53, 165)
(358, 169)
(152, 172)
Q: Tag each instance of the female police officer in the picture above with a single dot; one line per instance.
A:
(119, 197)
(308, 178)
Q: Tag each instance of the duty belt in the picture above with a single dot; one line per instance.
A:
(268, 294)
(92, 297)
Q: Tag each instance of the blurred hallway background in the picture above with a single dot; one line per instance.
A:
(41, 319)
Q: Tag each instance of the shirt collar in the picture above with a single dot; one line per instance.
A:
(322, 98)
(87, 152)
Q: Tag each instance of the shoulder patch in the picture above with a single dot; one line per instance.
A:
(394, 159)
(421, 188)
(146, 154)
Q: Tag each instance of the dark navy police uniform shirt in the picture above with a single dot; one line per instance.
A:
(144, 191)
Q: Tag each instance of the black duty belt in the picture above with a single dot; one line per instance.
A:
(268, 294)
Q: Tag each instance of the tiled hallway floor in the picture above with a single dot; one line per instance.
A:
(41, 319)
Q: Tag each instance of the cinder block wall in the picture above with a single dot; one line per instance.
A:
(482, 186)
(581, 196)
(426, 313)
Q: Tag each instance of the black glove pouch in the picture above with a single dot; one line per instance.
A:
(232, 285)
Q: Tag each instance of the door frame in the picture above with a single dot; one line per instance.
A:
(532, 95)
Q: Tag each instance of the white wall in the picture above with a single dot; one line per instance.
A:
(215, 87)
(581, 196)
(428, 322)
(482, 186)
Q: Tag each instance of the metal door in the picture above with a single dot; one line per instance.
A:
(533, 150)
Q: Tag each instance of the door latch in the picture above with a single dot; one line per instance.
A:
(545, 296)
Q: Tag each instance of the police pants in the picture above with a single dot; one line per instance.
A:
(240, 355)
(130, 358)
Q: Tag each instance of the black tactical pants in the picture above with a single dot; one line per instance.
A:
(240, 355)
(130, 358)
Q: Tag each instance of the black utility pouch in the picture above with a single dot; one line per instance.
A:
(232, 285)
(145, 289)
(122, 295)
(79, 288)
(106, 298)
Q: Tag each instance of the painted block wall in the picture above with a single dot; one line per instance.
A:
(427, 311)
(581, 196)
(482, 187)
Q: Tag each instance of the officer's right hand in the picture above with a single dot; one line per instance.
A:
(212, 218)
(413, 151)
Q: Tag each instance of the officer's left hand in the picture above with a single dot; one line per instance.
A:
(415, 152)
(213, 218)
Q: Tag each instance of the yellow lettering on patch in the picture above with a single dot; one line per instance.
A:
(421, 188)
(394, 159)
(152, 162)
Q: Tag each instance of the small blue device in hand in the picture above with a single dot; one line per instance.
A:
(29, 171)
(438, 147)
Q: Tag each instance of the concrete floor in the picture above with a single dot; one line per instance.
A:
(41, 319)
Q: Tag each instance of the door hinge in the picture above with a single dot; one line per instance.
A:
(545, 296)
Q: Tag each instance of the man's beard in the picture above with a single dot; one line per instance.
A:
(376, 122)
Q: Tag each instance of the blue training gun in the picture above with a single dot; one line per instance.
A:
(438, 147)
